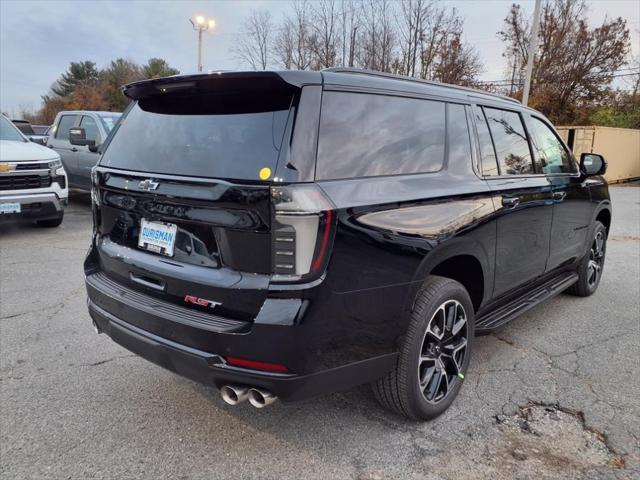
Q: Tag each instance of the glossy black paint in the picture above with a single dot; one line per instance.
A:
(501, 237)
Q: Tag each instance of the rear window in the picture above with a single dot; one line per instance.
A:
(364, 135)
(228, 136)
(25, 128)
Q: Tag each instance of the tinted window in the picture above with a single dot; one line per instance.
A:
(66, 122)
(368, 135)
(90, 128)
(9, 132)
(488, 160)
(458, 138)
(25, 128)
(510, 141)
(554, 158)
(230, 137)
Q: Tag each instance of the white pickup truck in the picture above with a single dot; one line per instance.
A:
(33, 183)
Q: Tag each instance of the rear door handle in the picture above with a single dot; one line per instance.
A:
(148, 282)
(559, 196)
(511, 202)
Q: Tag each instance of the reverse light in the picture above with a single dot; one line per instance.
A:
(302, 232)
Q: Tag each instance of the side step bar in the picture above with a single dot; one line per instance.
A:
(503, 315)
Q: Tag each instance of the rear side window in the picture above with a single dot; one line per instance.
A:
(220, 136)
(364, 135)
(66, 122)
(488, 160)
(510, 141)
(458, 138)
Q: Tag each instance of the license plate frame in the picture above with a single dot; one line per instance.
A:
(10, 207)
(157, 237)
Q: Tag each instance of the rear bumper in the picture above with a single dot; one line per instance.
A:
(211, 369)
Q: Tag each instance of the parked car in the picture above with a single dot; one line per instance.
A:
(41, 129)
(33, 183)
(29, 131)
(78, 160)
(349, 227)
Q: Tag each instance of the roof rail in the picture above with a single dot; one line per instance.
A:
(362, 71)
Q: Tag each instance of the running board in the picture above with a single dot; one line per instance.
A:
(503, 315)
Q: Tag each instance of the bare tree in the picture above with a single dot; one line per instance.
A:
(292, 44)
(377, 39)
(574, 63)
(253, 43)
(324, 38)
(349, 24)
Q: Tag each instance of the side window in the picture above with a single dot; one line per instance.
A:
(554, 157)
(488, 161)
(510, 141)
(65, 123)
(364, 135)
(90, 128)
(458, 135)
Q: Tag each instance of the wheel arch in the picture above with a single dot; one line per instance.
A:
(604, 216)
(465, 261)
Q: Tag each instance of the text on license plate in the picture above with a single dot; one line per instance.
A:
(157, 237)
(9, 208)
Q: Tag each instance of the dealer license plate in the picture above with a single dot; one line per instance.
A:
(157, 237)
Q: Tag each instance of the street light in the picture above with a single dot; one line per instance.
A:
(201, 24)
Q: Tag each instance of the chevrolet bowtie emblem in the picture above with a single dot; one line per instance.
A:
(5, 167)
(148, 185)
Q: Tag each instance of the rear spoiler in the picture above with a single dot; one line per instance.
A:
(239, 82)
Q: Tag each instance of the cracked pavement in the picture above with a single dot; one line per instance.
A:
(555, 394)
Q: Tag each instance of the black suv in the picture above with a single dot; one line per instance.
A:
(289, 234)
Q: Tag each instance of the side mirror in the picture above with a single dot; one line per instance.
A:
(77, 136)
(592, 164)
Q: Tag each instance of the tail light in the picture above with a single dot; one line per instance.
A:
(302, 232)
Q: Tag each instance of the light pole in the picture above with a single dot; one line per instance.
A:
(533, 41)
(201, 24)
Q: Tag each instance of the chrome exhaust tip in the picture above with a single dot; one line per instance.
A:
(261, 398)
(234, 394)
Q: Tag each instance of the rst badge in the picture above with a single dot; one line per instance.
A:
(203, 302)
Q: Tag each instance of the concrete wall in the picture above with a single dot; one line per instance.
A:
(619, 146)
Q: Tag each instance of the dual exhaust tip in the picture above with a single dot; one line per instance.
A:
(235, 394)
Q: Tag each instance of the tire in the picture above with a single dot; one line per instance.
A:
(400, 390)
(592, 264)
(51, 222)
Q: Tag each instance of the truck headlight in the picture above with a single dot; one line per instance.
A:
(55, 163)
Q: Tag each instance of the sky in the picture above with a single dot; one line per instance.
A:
(39, 38)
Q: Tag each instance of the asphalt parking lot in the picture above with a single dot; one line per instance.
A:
(556, 394)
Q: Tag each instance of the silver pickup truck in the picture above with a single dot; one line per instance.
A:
(78, 160)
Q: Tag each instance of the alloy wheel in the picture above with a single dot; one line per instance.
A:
(443, 351)
(596, 259)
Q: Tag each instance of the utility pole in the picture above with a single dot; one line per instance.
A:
(531, 52)
(201, 24)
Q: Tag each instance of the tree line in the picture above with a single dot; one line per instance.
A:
(85, 87)
(419, 38)
(574, 63)
(574, 66)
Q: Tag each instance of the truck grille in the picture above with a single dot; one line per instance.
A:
(33, 166)
(23, 182)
